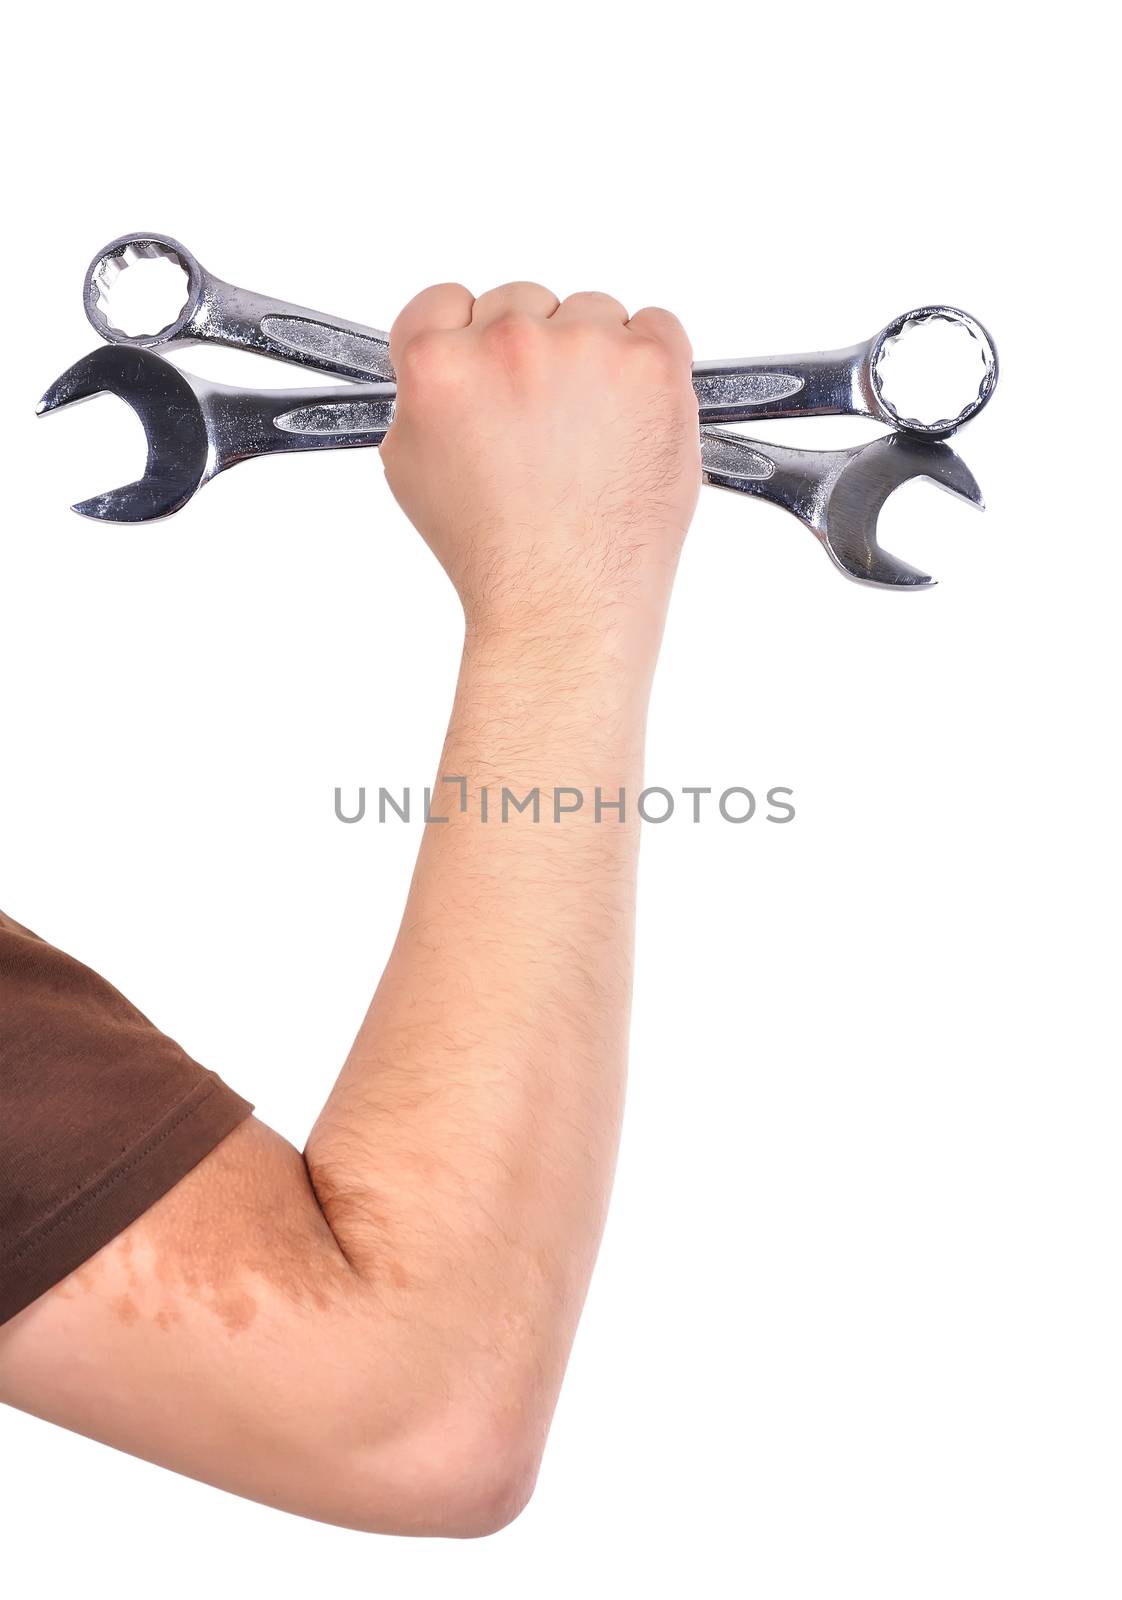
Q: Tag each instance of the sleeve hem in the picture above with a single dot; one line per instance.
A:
(105, 1206)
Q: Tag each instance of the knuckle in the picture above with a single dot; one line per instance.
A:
(513, 333)
(585, 337)
(428, 358)
(655, 357)
(661, 324)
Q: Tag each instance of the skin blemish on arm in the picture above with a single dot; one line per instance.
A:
(125, 1307)
(236, 1311)
(243, 1227)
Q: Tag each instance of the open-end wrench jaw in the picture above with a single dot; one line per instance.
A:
(196, 429)
(838, 494)
(849, 523)
(171, 416)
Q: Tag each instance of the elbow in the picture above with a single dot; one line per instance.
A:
(475, 1510)
(475, 1486)
(453, 1478)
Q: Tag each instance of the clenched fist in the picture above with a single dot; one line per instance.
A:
(548, 452)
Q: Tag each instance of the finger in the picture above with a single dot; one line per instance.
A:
(443, 306)
(654, 322)
(533, 299)
(591, 306)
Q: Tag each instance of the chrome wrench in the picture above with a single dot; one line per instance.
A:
(850, 381)
(197, 429)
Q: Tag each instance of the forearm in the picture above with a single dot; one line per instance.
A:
(464, 1158)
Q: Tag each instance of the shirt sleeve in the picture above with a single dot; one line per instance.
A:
(100, 1114)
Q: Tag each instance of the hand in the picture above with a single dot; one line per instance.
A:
(548, 453)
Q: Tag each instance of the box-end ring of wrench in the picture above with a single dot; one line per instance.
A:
(829, 383)
(196, 429)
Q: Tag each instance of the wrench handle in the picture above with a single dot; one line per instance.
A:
(266, 422)
(257, 422)
(798, 480)
(229, 315)
(769, 387)
(832, 383)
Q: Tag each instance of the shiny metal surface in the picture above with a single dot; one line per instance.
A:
(838, 382)
(828, 383)
(196, 429)
(220, 312)
(838, 494)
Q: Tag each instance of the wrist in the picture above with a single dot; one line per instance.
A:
(583, 669)
(569, 706)
(574, 636)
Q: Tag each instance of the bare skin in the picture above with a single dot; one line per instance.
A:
(375, 1334)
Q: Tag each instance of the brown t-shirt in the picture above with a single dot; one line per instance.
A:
(100, 1114)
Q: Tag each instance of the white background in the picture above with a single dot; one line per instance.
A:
(856, 1324)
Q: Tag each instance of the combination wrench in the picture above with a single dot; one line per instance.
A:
(846, 382)
(196, 429)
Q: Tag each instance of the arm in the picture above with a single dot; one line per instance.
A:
(376, 1335)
